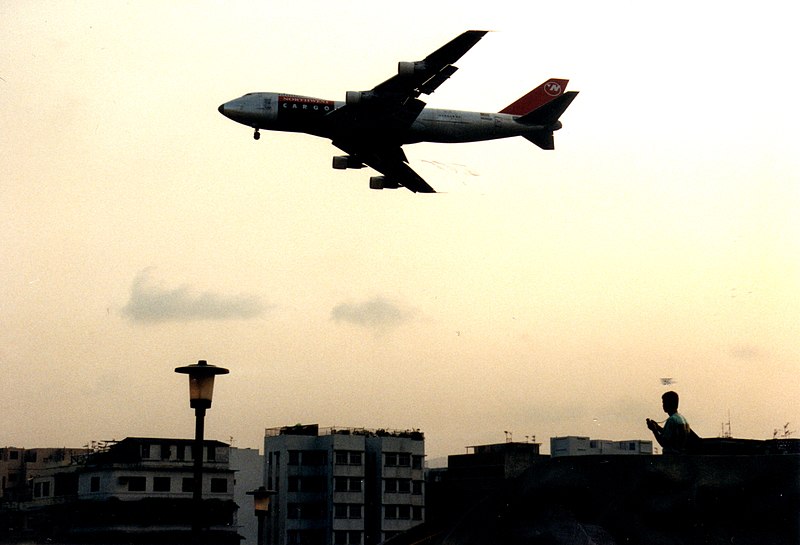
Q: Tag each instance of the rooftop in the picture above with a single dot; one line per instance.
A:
(314, 430)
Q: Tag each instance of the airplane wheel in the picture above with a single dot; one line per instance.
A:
(256, 135)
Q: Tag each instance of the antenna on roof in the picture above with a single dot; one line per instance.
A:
(726, 427)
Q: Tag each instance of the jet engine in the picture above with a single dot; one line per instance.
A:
(342, 162)
(357, 97)
(410, 68)
(382, 182)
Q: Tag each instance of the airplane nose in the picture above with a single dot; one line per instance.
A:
(221, 109)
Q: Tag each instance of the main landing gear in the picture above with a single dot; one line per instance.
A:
(256, 135)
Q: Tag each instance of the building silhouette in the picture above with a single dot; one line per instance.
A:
(135, 490)
(573, 445)
(343, 486)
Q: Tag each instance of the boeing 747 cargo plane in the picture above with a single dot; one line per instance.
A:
(372, 126)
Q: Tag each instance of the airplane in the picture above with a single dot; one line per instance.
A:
(372, 126)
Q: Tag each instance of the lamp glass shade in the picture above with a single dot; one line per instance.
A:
(261, 499)
(201, 382)
(261, 503)
(201, 389)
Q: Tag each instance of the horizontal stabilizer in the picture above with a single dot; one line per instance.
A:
(549, 113)
(542, 139)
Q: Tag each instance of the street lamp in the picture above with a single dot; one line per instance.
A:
(201, 389)
(261, 498)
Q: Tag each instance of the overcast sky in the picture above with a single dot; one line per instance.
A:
(543, 293)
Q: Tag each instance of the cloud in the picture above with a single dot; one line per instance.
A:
(377, 313)
(150, 303)
(746, 352)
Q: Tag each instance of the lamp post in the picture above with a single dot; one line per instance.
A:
(261, 499)
(201, 389)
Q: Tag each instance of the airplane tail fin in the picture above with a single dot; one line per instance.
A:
(545, 117)
(536, 98)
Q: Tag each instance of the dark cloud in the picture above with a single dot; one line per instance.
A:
(152, 303)
(377, 313)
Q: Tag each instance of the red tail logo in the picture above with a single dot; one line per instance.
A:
(540, 96)
(552, 88)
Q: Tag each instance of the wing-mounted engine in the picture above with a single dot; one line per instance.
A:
(352, 98)
(405, 68)
(343, 162)
(382, 182)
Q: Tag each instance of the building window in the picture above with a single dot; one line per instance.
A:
(94, 484)
(344, 537)
(416, 488)
(348, 457)
(347, 484)
(219, 486)
(397, 486)
(211, 454)
(400, 512)
(294, 457)
(187, 484)
(165, 452)
(13, 455)
(416, 462)
(145, 451)
(137, 484)
(307, 484)
(397, 459)
(41, 490)
(347, 511)
(161, 484)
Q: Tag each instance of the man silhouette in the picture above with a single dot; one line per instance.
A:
(674, 435)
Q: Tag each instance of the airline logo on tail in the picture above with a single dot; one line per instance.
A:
(540, 96)
(553, 88)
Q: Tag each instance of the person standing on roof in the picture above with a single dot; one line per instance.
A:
(674, 436)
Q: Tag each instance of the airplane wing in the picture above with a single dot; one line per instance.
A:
(425, 76)
(389, 109)
(394, 101)
(390, 161)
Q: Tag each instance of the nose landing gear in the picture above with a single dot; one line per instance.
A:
(256, 135)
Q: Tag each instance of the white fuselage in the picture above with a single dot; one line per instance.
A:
(434, 125)
(293, 113)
